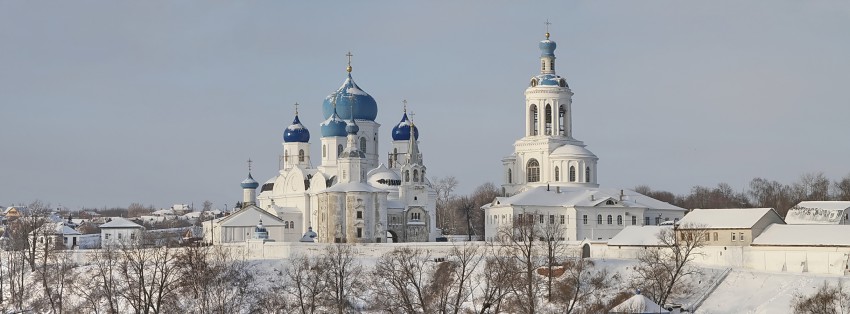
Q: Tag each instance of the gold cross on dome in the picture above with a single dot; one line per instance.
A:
(249, 164)
(296, 109)
(349, 55)
(547, 28)
(405, 105)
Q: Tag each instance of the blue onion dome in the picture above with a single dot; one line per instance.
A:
(352, 127)
(250, 183)
(549, 80)
(296, 132)
(401, 132)
(348, 96)
(547, 47)
(260, 227)
(333, 126)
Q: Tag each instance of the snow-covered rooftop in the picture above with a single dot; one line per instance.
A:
(118, 222)
(638, 236)
(351, 187)
(804, 235)
(638, 303)
(727, 218)
(818, 212)
(581, 196)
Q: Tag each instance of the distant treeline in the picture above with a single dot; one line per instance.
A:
(759, 193)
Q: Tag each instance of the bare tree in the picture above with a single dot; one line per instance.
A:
(496, 281)
(827, 300)
(517, 239)
(555, 248)
(464, 260)
(306, 283)
(404, 274)
(445, 188)
(662, 272)
(581, 284)
(52, 265)
(343, 277)
(216, 277)
(151, 278)
(841, 189)
(28, 227)
(811, 187)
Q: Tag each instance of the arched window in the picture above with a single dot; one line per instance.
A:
(510, 176)
(285, 156)
(619, 220)
(363, 144)
(587, 174)
(572, 174)
(407, 176)
(532, 170)
(533, 115)
(557, 174)
(598, 219)
(338, 150)
(395, 154)
(552, 65)
(415, 175)
(324, 151)
(301, 155)
(610, 220)
(634, 220)
(548, 119)
(562, 115)
(543, 64)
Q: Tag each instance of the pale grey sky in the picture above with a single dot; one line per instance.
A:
(104, 103)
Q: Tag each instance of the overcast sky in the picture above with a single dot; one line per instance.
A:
(105, 103)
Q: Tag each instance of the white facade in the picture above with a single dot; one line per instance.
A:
(553, 176)
(120, 232)
(548, 153)
(240, 227)
(351, 196)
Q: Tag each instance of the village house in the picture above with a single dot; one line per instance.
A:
(728, 227)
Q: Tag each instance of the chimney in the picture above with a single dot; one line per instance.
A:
(621, 195)
(591, 197)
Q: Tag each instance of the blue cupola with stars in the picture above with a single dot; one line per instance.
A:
(351, 101)
(402, 130)
(296, 132)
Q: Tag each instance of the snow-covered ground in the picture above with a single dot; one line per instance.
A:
(747, 291)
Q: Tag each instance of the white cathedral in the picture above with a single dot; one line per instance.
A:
(551, 176)
(350, 197)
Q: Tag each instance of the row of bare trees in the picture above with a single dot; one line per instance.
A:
(462, 214)
(760, 192)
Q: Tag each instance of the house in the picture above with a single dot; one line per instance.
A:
(58, 234)
(239, 226)
(638, 303)
(119, 232)
(642, 236)
(585, 212)
(819, 213)
(729, 227)
(15, 212)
